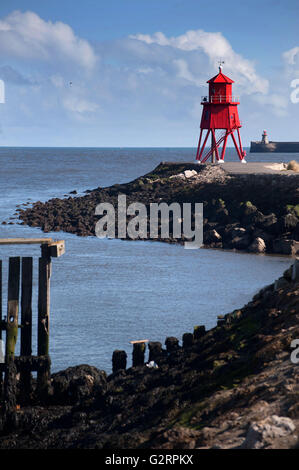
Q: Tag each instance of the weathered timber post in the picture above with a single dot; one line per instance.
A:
(10, 401)
(26, 330)
(138, 352)
(11, 339)
(44, 274)
(198, 332)
(119, 360)
(172, 344)
(187, 340)
(12, 306)
(155, 351)
(26, 362)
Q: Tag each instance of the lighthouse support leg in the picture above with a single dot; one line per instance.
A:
(240, 142)
(237, 148)
(216, 148)
(224, 146)
(198, 147)
(203, 145)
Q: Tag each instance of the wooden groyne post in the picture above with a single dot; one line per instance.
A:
(20, 280)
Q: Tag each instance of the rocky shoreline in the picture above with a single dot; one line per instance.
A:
(256, 213)
(232, 387)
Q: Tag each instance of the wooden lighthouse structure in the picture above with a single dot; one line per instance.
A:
(220, 119)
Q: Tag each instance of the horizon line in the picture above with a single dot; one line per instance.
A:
(105, 147)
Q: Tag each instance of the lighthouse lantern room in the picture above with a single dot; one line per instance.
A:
(220, 119)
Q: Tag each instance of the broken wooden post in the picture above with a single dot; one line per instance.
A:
(12, 306)
(198, 332)
(11, 339)
(187, 340)
(44, 274)
(155, 351)
(26, 322)
(119, 360)
(172, 344)
(26, 363)
(138, 352)
(10, 395)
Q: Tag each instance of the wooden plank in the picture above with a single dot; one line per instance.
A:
(12, 306)
(43, 375)
(33, 363)
(140, 341)
(25, 241)
(57, 248)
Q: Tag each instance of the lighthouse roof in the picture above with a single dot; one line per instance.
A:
(220, 78)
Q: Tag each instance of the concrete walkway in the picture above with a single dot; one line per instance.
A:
(238, 168)
(256, 168)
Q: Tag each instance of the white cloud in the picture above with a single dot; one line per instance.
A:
(184, 72)
(213, 46)
(27, 36)
(149, 81)
(277, 102)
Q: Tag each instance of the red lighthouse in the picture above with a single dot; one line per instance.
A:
(220, 113)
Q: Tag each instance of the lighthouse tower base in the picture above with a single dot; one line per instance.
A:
(216, 150)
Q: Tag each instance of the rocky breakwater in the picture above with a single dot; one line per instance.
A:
(253, 212)
(234, 386)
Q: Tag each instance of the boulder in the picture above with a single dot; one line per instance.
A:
(296, 233)
(211, 236)
(265, 433)
(268, 223)
(180, 176)
(280, 283)
(76, 384)
(222, 216)
(267, 237)
(190, 173)
(257, 246)
(285, 246)
(240, 242)
(295, 271)
(250, 215)
(238, 232)
(288, 222)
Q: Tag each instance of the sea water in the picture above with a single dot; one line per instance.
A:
(105, 293)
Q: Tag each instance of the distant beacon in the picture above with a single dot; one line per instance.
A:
(265, 139)
(220, 113)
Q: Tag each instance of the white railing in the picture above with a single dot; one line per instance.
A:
(220, 99)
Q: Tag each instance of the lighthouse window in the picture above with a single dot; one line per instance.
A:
(207, 114)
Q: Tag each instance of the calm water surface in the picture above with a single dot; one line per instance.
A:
(105, 293)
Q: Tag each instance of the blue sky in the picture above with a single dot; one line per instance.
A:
(128, 73)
